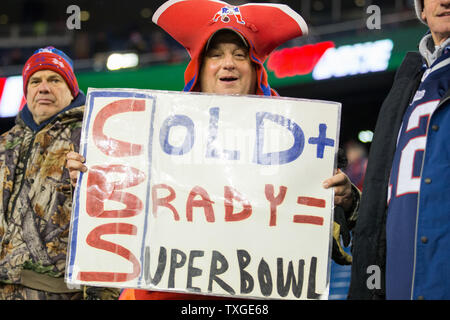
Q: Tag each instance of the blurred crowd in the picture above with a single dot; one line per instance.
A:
(27, 24)
(88, 46)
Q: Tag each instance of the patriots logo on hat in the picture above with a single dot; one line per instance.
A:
(225, 12)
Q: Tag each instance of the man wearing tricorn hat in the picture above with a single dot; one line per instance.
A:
(401, 244)
(260, 27)
(228, 46)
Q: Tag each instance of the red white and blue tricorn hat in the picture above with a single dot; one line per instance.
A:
(264, 27)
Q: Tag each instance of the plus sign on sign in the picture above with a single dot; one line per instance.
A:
(207, 194)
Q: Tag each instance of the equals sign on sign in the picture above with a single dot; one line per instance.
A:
(312, 202)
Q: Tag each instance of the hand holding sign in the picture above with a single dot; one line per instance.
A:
(75, 165)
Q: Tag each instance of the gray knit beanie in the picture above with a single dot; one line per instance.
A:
(419, 8)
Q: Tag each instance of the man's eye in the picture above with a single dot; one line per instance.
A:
(213, 53)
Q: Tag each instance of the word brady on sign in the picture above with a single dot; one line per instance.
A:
(209, 194)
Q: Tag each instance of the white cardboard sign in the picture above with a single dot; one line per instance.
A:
(209, 194)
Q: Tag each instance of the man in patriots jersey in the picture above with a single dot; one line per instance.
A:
(403, 227)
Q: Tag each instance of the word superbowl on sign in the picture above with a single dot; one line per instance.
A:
(211, 194)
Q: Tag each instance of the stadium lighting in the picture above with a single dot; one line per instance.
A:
(365, 136)
(118, 61)
(354, 59)
(84, 16)
(11, 96)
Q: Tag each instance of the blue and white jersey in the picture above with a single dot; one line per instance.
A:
(405, 179)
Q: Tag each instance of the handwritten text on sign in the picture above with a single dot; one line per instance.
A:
(208, 194)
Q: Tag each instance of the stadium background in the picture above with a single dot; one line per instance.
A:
(358, 73)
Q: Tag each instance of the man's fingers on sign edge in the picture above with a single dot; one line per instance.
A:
(75, 156)
(75, 165)
(336, 180)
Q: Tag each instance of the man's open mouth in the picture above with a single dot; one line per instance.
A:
(444, 14)
(228, 79)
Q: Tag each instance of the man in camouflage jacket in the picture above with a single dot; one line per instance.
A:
(35, 188)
